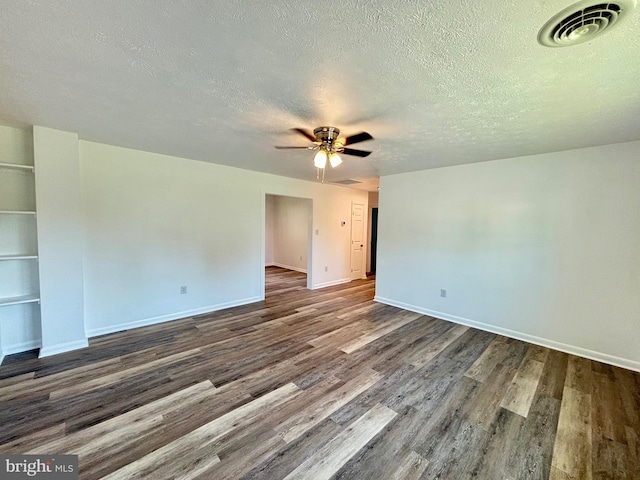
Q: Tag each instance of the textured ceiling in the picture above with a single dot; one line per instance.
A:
(435, 82)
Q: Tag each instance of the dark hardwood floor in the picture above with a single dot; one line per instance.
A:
(322, 384)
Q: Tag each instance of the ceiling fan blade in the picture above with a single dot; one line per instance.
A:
(304, 133)
(286, 148)
(357, 153)
(358, 137)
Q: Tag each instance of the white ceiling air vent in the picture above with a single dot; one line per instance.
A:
(347, 181)
(583, 22)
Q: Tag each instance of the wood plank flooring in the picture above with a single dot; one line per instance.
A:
(322, 384)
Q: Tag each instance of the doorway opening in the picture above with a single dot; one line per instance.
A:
(288, 242)
(372, 234)
(374, 242)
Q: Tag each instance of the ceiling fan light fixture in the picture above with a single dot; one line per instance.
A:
(325, 141)
(320, 160)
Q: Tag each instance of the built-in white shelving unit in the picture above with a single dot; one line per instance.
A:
(14, 166)
(19, 278)
(18, 300)
(18, 257)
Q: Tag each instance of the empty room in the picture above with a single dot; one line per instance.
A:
(336, 240)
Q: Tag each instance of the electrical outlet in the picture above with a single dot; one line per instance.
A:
(326, 269)
(183, 290)
(443, 292)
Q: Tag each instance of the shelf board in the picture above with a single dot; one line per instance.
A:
(15, 166)
(17, 212)
(18, 300)
(17, 257)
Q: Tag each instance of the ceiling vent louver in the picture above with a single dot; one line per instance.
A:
(582, 22)
(347, 181)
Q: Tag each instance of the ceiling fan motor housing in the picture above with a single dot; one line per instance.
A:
(326, 140)
(327, 136)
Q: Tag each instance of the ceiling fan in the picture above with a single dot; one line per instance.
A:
(325, 140)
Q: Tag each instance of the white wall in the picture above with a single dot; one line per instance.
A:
(154, 223)
(270, 226)
(545, 248)
(291, 221)
(60, 237)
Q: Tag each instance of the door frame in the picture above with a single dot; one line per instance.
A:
(363, 260)
(373, 247)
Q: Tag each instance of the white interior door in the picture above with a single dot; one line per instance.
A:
(357, 240)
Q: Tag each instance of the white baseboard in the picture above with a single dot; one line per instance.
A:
(63, 347)
(21, 347)
(94, 332)
(545, 342)
(288, 267)
(331, 283)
